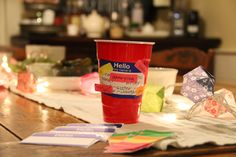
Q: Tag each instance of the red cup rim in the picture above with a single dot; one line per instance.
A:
(124, 41)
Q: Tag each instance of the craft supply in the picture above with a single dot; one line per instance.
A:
(85, 129)
(221, 102)
(134, 141)
(153, 99)
(63, 138)
(118, 125)
(198, 84)
(82, 134)
(26, 82)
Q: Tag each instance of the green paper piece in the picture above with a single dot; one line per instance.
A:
(153, 98)
(149, 133)
(161, 93)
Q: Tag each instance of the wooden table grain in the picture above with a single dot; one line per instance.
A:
(20, 117)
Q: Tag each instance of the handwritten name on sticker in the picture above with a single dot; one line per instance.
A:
(105, 69)
(141, 66)
(103, 88)
(129, 78)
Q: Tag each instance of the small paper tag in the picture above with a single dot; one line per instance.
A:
(139, 90)
(105, 69)
(141, 66)
(128, 78)
(103, 88)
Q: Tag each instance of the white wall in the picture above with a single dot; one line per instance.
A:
(219, 17)
(2, 23)
(225, 68)
(10, 16)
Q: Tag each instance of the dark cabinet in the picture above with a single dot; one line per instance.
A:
(86, 47)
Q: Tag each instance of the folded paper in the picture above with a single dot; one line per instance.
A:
(198, 84)
(88, 82)
(221, 102)
(153, 98)
(26, 82)
(133, 141)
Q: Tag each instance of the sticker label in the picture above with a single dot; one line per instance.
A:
(129, 78)
(103, 88)
(105, 69)
(140, 66)
(126, 80)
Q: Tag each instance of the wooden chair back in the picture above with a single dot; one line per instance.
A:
(183, 58)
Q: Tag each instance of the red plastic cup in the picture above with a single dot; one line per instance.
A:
(123, 67)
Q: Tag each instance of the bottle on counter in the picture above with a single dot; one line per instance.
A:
(178, 23)
(125, 19)
(116, 29)
(74, 17)
(137, 14)
(192, 27)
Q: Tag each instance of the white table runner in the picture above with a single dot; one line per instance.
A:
(198, 130)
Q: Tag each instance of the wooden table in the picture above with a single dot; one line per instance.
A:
(19, 118)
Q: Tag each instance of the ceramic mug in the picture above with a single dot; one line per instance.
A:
(163, 77)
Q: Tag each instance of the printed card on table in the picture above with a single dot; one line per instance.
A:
(74, 134)
(62, 138)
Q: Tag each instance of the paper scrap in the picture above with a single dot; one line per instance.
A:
(105, 69)
(134, 141)
(141, 66)
(103, 88)
(153, 98)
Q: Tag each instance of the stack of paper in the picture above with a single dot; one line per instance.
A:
(83, 135)
(134, 141)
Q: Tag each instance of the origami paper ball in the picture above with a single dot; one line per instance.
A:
(221, 102)
(26, 82)
(228, 95)
(214, 107)
(198, 84)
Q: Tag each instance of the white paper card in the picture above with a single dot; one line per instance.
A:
(62, 138)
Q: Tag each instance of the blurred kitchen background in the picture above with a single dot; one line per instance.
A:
(205, 24)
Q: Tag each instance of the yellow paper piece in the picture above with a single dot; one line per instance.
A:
(105, 69)
(153, 99)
